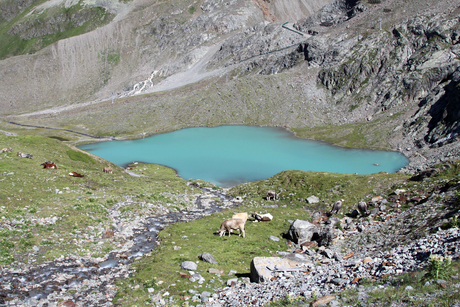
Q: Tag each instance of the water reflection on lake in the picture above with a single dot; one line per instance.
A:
(231, 155)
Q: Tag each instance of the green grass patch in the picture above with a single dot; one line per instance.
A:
(345, 135)
(186, 241)
(296, 186)
(371, 134)
(80, 156)
(71, 208)
(19, 36)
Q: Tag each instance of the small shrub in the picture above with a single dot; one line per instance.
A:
(288, 301)
(454, 222)
(150, 283)
(438, 267)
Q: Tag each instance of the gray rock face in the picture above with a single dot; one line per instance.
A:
(9, 9)
(208, 258)
(189, 265)
(326, 236)
(264, 268)
(302, 231)
(312, 199)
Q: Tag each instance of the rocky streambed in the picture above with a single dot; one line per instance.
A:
(88, 281)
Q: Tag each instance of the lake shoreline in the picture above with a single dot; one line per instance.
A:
(229, 155)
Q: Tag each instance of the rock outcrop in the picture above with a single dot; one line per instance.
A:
(263, 269)
(302, 231)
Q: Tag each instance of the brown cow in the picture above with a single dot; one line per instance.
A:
(49, 165)
(266, 217)
(107, 169)
(74, 174)
(244, 216)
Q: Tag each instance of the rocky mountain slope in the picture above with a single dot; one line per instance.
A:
(386, 72)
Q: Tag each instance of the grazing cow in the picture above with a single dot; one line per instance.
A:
(271, 195)
(74, 174)
(362, 207)
(230, 224)
(266, 217)
(49, 165)
(107, 169)
(335, 209)
(243, 216)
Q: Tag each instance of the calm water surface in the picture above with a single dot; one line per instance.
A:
(231, 155)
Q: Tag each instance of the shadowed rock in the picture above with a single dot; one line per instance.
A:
(208, 258)
(302, 231)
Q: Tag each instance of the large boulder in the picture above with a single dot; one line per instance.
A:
(313, 199)
(264, 268)
(189, 265)
(302, 231)
(208, 258)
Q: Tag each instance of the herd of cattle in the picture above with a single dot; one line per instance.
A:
(239, 219)
(51, 164)
(236, 222)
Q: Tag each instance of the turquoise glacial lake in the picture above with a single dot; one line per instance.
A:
(231, 155)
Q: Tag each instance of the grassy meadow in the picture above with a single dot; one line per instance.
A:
(186, 241)
(46, 214)
(48, 210)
